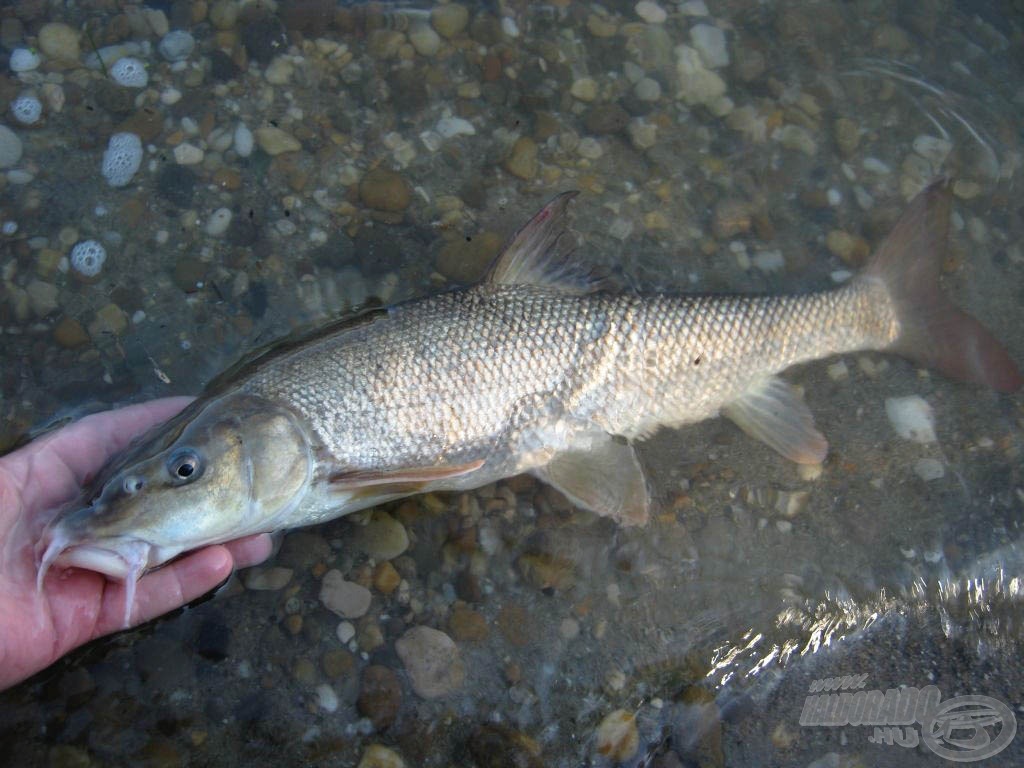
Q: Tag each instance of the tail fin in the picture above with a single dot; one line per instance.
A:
(934, 332)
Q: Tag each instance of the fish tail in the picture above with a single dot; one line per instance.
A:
(932, 330)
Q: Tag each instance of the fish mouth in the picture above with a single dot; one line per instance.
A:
(121, 559)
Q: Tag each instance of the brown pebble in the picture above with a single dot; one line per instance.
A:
(380, 696)
(146, 124)
(384, 190)
(337, 662)
(385, 578)
(188, 273)
(467, 624)
(70, 334)
(293, 623)
(731, 218)
(227, 178)
(513, 621)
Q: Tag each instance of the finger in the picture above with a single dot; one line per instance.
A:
(251, 550)
(166, 589)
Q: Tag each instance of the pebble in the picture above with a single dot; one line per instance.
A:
(847, 136)
(70, 334)
(851, 249)
(912, 418)
(450, 127)
(929, 469)
(450, 19)
(697, 84)
(522, 160)
(327, 699)
(424, 39)
(24, 60)
(27, 109)
(647, 89)
(650, 12)
(796, 137)
(129, 72)
(465, 260)
(42, 297)
(380, 696)
(10, 147)
(218, 222)
(304, 671)
(590, 148)
(385, 578)
(224, 14)
(382, 538)
(617, 736)
(432, 660)
(838, 371)
(243, 140)
(345, 598)
(642, 134)
(109, 319)
(377, 756)
(267, 579)
(188, 154)
(279, 71)
(710, 42)
(346, 631)
(176, 45)
(384, 190)
(275, 141)
(934, 149)
(584, 89)
(468, 625)
(59, 41)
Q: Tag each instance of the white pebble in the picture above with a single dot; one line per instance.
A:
(509, 26)
(912, 418)
(327, 698)
(650, 12)
(346, 631)
(122, 159)
(9, 227)
(170, 96)
(933, 149)
(27, 109)
(647, 89)
(589, 148)
(129, 72)
(176, 45)
(569, 629)
(769, 261)
(874, 165)
(838, 371)
(243, 140)
(218, 222)
(454, 126)
(834, 197)
(929, 469)
(710, 42)
(87, 258)
(188, 154)
(24, 60)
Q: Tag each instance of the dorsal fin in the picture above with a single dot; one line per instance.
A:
(540, 253)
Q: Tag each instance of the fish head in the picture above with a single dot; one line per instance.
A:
(223, 468)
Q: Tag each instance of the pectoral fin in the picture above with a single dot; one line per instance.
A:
(398, 481)
(606, 479)
(773, 412)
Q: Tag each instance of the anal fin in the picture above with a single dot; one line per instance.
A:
(773, 412)
(606, 479)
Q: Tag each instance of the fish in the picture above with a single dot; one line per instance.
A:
(540, 368)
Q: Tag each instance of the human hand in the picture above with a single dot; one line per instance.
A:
(75, 605)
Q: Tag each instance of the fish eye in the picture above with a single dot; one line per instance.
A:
(185, 466)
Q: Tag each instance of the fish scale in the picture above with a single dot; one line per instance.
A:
(623, 362)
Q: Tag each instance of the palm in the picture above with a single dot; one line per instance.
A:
(75, 606)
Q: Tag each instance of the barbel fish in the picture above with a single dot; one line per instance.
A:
(533, 370)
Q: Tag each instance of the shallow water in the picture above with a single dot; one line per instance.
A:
(704, 630)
